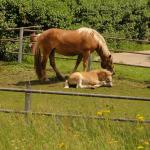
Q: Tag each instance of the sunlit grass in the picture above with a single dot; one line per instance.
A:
(74, 133)
(125, 45)
(66, 133)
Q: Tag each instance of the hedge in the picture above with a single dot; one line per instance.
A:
(123, 18)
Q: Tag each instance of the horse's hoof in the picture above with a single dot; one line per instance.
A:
(92, 87)
(66, 87)
(44, 80)
(61, 78)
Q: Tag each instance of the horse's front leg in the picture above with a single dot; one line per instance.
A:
(78, 62)
(66, 84)
(101, 83)
(52, 63)
(86, 56)
(104, 84)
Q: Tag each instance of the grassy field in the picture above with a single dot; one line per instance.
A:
(74, 134)
(124, 45)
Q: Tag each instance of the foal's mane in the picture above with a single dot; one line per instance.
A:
(98, 37)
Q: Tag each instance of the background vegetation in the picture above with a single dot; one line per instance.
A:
(123, 18)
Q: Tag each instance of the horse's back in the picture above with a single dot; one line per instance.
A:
(67, 42)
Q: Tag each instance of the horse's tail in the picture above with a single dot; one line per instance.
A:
(37, 61)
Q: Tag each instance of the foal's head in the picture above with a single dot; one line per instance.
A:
(107, 63)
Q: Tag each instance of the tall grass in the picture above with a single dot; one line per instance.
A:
(54, 133)
(71, 134)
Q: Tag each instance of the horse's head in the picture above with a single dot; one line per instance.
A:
(107, 63)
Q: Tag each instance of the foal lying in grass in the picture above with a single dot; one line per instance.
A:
(91, 79)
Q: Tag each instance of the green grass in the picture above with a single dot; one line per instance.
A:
(73, 134)
(67, 133)
(131, 46)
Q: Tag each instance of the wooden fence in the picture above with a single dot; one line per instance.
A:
(29, 29)
(20, 39)
(28, 92)
(27, 105)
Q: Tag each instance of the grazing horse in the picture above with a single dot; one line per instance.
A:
(91, 79)
(81, 42)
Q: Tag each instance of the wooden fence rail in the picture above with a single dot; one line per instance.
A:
(114, 97)
(27, 107)
(90, 60)
(73, 116)
(29, 29)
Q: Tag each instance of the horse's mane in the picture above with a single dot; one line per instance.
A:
(98, 37)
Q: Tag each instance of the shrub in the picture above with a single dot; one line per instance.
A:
(124, 18)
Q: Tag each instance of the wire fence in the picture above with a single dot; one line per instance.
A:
(27, 106)
(21, 40)
(28, 92)
(64, 115)
(106, 36)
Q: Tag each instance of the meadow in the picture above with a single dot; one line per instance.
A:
(54, 133)
(123, 19)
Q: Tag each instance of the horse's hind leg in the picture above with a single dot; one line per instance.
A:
(52, 63)
(43, 63)
(78, 62)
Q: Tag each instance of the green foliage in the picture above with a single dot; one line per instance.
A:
(58, 133)
(130, 18)
(123, 18)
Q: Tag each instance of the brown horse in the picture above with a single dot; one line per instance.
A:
(81, 42)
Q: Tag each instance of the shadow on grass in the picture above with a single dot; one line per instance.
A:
(52, 80)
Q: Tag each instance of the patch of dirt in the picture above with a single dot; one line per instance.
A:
(138, 59)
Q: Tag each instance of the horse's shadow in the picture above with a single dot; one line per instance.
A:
(52, 80)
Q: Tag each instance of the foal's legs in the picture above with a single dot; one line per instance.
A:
(80, 85)
(103, 83)
(78, 62)
(86, 56)
(52, 63)
(66, 84)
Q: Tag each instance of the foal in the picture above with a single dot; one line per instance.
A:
(91, 79)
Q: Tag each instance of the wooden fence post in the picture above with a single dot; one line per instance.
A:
(90, 62)
(20, 45)
(27, 106)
